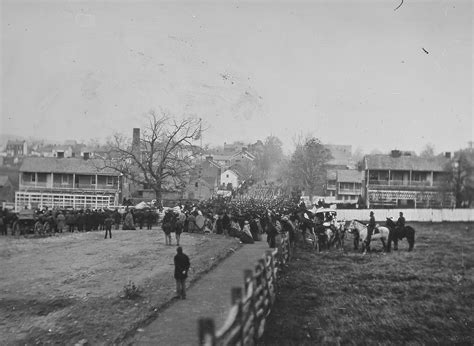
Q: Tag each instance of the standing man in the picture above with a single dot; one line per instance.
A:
(60, 222)
(167, 225)
(117, 219)
(180, 219)
(181, 267)
(370, 230)
(109, 220)
(3, 226)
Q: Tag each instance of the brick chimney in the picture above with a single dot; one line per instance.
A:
(136, 140)
(396, 153)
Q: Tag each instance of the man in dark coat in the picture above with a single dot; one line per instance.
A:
(401, 221)
(181, 267)
(109, 220)
(117, 219)
(168, 225)
(370, 230)
(81, 220)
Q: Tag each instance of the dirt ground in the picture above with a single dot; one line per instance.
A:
(338, 297)
(67, 289)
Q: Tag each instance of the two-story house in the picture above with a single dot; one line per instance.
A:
(345, 185)
(16, 148)
(242, 158)
(66, 182)
(403, 180)
(205, 180)
(230, 178)
(349, 185)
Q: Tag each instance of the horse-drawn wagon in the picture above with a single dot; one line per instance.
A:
(25, 222)
(322, 229)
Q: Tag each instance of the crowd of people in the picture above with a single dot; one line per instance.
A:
(249, 220)
(50, 221)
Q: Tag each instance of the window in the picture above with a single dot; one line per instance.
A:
(227, 176)
(93, 180)
(33, 177)
(196, 184)
(42, 178)
(419, 176)
(346, 186)
(373, 175)
(383, 175)
(110, 180)
(64, 179)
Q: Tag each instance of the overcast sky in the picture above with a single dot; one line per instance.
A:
(349, 72)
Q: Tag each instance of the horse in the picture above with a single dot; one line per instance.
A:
(398, 233)
(339, 235)
(360, 230)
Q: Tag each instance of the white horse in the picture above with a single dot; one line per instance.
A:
(360, 230)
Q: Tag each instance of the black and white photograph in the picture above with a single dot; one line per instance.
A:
(236, 172)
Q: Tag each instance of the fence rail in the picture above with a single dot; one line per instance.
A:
(251, 304)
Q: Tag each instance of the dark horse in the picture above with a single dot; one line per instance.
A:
(398, 233)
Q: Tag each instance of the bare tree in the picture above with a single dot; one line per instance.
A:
(162, 158)
(308, 165)
(428, 151)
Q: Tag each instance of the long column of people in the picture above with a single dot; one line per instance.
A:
(247, 219)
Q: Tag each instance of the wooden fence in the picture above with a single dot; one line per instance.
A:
(411, 215)
(251, 304)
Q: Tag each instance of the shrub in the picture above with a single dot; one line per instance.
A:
(131, 291)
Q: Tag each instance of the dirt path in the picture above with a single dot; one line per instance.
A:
(66, 288)
(209, 297)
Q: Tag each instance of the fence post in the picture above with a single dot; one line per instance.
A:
(250, 280)
(207, 333)
(269, 253)
(236, 299)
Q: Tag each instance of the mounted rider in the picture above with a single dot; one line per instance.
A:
(401, 221)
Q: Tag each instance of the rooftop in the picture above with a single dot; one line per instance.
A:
(405, 163)
(15, 142)
(64, 165)
(349, 176)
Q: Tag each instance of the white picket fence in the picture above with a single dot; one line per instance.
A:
(411, 215)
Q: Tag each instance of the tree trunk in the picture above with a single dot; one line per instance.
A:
(158, 194)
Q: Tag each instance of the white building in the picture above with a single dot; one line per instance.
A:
(66, 182)
(230, 176)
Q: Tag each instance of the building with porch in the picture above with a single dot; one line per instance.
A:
(345, 185)
(66, 183)
(403, 180)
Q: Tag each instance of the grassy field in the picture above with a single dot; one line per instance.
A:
(343, 297)
(67, 288)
